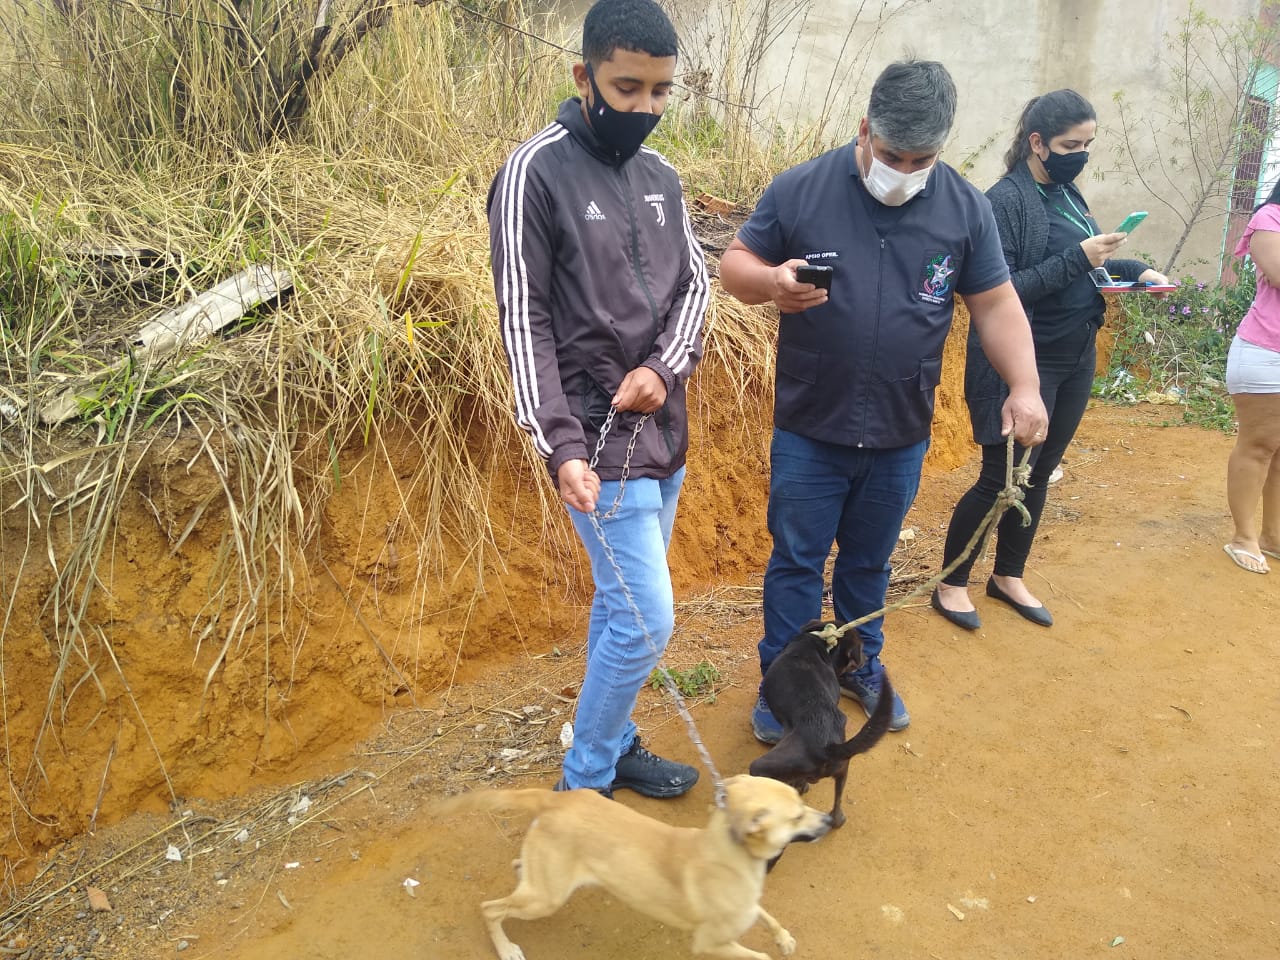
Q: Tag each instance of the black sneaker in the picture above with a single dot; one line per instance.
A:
(651, 776)
(561, 787)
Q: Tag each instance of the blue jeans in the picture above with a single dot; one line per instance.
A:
(619, 660)
(824, 493)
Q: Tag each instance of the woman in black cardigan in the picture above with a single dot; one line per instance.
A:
(1051, 243)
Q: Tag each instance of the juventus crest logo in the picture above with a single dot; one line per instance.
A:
(662, 213)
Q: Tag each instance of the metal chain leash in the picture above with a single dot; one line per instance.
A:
(668, 683)
(626, 463)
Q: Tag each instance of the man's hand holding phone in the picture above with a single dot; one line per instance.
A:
(792, 295)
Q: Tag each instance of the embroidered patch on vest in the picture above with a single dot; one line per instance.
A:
(937, 279)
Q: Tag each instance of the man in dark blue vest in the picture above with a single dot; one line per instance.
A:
(857, 367)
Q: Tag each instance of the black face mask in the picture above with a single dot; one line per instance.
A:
(1065, 167)
(623, 132)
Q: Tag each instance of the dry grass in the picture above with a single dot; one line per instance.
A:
(378, 214)
(136, 131)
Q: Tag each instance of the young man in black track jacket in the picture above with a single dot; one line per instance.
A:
(601, 291)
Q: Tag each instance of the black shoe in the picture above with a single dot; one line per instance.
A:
(968, 619)
(561, 787)
(651, 776)
(1035, 614)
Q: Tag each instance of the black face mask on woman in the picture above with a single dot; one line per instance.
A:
(1065, 167)
(624, 132)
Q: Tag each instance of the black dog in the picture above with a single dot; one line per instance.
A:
(802, 689)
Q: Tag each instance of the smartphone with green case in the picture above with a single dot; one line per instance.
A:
(1131, 221)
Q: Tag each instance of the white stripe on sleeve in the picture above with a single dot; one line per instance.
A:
(515, 285)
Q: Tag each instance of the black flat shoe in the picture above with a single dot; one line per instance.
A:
(967, 619)
(1035, 614)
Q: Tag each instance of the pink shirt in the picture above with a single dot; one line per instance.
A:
(1261, 325)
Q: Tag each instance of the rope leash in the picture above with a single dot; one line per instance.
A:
(1015, 478)
(668, 683)
(1011, 497)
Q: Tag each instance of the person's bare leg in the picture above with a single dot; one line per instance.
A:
(1269, 534)
(1247, 468)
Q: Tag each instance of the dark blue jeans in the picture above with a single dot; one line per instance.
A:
(825, 493)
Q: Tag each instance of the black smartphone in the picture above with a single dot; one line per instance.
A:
(819, 276)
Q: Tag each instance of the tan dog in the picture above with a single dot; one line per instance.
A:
(707, 880)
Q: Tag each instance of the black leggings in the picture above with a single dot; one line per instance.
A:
(1066, 381)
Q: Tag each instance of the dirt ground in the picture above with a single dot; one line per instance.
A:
(1106, 786)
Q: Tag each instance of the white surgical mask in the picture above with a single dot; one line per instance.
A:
(891, 187)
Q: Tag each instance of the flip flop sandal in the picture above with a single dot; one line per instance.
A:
(1235, 553)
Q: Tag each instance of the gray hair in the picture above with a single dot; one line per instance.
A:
(912, 106)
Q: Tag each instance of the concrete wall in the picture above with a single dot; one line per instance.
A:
(1001, 53)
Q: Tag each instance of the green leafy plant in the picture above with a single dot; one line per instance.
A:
(699, 680)
(37, 292)
(30, 291)
(1176, 348)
